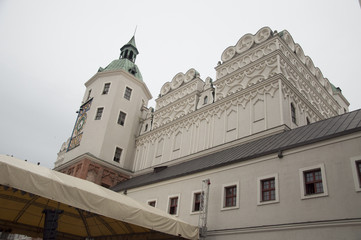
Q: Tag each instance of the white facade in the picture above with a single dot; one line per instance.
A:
(333, 214)
(258, 80)
(265, 85)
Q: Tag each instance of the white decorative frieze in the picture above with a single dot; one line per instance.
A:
(246, 78)
(241, 99)
(313, 84)
(181, 86)
(246, 42)
(243, 60)
(175, 111)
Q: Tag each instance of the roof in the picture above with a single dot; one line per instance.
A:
(315, 132)
(89, 210)
(131, 43)
(122, 64)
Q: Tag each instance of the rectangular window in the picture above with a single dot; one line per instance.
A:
(268, 189)
(313, 182)
(356, 171)
(90, 91)
(127, 93)
(197, 202)
(117, 154)
(106, 88)
(358, 168)
(121, 118)
(99, 114)
(173, 205)
(230, 196)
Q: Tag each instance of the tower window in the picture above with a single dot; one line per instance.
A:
(121, 118)
(106, 88)
(117, 154)
(146, 127)
(293, 113)
(126, 54)
(308, 121)
(127, 93)
(131, 56)
(99, 114)
(90, 91)
(205, 100)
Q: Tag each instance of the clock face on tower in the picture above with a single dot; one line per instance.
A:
(79, 125)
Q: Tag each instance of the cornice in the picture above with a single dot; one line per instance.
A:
(94, 159)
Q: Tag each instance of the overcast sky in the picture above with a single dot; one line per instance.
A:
(49, 49)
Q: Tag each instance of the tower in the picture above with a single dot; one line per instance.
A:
(101, 146)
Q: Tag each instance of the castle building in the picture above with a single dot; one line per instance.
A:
(271, 136)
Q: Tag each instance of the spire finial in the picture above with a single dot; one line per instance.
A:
(135, 31)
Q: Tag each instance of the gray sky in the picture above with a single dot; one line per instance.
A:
(49, 49)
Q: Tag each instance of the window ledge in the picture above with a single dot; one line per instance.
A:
(229, 208)
(267, 202)
(314, 196)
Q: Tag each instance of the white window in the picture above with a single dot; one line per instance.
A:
(230, 196)
(196, 201)
(99, 113)
(173, 204)
(89, 93)
(121, 118)
(356, 172)
(117, 154)
(267, 189)
(127, 93)
(313, 182)
(106, 88)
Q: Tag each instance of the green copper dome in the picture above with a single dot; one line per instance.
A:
(126, 61)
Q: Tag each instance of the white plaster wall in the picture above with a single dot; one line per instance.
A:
(101, 137)
(342, 201)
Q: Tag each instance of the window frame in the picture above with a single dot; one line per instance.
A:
(97, 113)
(126, 93)
(89, 94)
(260, 200)
(355, 173)
(120, 154)
(193, 202)
(170, 197)
(124, 115)
(302, 172)
(223, 202)
(106, 88)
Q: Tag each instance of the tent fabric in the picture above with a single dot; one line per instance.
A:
(89, 210)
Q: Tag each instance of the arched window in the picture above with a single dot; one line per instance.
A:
(205, 100)
(131, 56)
(126, 54)
(293, 113)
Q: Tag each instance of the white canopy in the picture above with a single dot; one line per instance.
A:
(90, 211)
